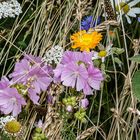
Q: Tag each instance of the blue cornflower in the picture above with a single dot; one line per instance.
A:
(138, 19)
(88, 22)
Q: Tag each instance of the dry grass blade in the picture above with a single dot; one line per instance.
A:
(53, 124)
(103, 25)
(125, 119)
(85, 134)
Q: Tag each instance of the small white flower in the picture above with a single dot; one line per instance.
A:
(53, 55)
(127, 9)
(10, 126)
(4, 120)
(9, 8)
(103, 53)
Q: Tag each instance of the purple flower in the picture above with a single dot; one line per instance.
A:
(77, 71)
(138, 19)
(84, 103)
(94, 80)
(74, 75)
(34, 74)
(57, 73)
(11, 101)
(94, 77)
(21, 71)
(34, 96)
(4, 83)
(70, 56)
(39, 81)
(39, 78)
(32, 59)
(88, 23)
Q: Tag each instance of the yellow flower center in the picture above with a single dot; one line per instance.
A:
(86, 39)
(22, 89)
(13, 126)
(102, 53)
(123, 6)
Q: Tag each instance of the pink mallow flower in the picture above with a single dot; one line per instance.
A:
(33, 73)
(21, 71)
(39, 81)
(74, 75)
(4, 83)
(76, 70)
(93, 81)
(11, 101)
(33, 59)
(69, 56)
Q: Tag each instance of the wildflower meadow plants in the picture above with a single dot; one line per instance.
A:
(69, 70)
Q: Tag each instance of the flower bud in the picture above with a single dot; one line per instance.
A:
(69, 108)
(84, 103)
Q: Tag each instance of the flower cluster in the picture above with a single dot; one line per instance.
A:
(30, 77)
(77, 70)
(9, 8)
(54, 55)
(10, 99)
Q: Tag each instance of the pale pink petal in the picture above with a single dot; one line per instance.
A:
(87, 90)
(16, 110)
(70, 81)
(94, 84)
(80, 83)
(33, 96)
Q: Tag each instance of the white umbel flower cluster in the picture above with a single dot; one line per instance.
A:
(9, 8)
(54, 55)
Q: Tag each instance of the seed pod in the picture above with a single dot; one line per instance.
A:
(109, 10)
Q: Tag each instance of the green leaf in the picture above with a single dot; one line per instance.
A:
(22, 44)
(136, 84)
(135, 58)
(117, 51)
(117, 60)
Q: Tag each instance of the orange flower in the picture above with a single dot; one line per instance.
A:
(85, 41)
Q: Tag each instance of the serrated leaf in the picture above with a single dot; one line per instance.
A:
(136, 85)
(117, 51)
(135, 58)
